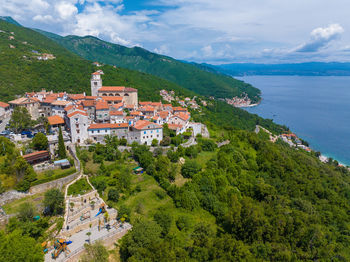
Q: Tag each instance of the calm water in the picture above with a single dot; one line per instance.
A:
(316, 108)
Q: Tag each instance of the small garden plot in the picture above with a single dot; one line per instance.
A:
(81, 187)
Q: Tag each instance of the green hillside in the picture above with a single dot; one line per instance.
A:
(22, 72)
(187, 75)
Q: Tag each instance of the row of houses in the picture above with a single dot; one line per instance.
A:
(111, 110)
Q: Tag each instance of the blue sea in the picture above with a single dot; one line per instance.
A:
(316, 108)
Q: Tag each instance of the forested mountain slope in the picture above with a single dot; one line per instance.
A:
(187, 75)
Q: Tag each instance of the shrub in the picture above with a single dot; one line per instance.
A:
(113, 195)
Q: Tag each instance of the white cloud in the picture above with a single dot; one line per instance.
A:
(321, 37)
(66, 10)
(162, 50)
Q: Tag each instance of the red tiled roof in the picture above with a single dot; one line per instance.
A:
(129, 106)
(174, 127)
(101, 105)
(49, 100)
(183, 116)
(90, 97)
(116, 113)
(141, 124)
(35, 155)
(148, 109)
(95, 73)
(129, 89)
(163, 114)
(76, 96)
(107, 125)
(112, 89)
(179, 109)
(145, 103)
(88, 103)
(117, 106)
(55, 120)
(78, 112)
(4, 105)
(135, 113)
(156, 104)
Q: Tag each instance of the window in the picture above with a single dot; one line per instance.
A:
(144, 132)
(78, 131)
(95, 83)
(98, 131)
(151, 131)
(143, 137)
(157, 130)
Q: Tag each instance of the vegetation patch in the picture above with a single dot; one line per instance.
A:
(80, 187)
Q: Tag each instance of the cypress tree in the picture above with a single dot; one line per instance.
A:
(61, 147)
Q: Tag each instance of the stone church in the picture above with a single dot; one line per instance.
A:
(129, 95)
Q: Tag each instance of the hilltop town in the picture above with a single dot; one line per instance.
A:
(110, 110)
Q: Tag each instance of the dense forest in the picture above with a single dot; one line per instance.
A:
(250, 200)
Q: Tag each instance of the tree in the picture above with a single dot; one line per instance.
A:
(154, 142)
(113, 195)
(95, 253)
(20, 119)
(190, 168)
(54, 202)
(17, 247)
(26, 212)
(61, 147)
(40, 142)
(164, 219)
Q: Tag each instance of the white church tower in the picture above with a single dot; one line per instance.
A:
(96, 82)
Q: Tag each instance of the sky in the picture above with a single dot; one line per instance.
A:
(211, 31)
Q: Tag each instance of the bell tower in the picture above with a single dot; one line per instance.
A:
(96, 82)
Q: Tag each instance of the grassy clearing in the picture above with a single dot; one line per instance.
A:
(13, 207)
(204, 156)
(80, 187)
(146, 202)
(55, 173)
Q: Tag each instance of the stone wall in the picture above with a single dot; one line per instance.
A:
(59, 183)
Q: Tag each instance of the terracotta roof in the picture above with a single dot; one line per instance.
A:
(135, 113)
(101, 105)
(174, 127)
(117, 106)
(183, 116)
(55, 120)
(60, 103)
(78, 112)
(96, 73)
(167, 105)
(90, 97)
(22, 101)
(69, 107)
(49, 100)
(129, 89)
(142, 124)
(112, 89)
(108, 125)
(4, 105)
(179, 109)
(148, 109)
(156, 104)
(129, 117)
(145, 103)
(76, 96)
(112, 98)
(129, 106)
(36, 155)
(163, 114)
(88, 103)
(116, 113)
